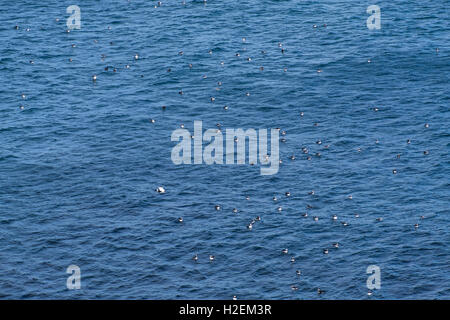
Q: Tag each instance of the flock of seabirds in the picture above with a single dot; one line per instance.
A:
(161, 189)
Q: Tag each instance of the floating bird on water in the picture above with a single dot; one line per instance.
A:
(160, 190)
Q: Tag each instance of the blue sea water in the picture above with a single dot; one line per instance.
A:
(80, 162)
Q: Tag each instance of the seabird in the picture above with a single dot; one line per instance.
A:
(160, 190)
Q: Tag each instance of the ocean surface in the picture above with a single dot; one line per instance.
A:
(80, 159)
